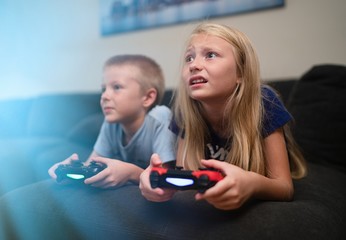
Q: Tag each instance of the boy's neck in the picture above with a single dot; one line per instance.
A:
(131, 128)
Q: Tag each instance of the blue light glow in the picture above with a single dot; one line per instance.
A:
(75, 176)
(180, 181)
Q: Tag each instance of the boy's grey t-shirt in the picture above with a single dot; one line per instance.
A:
(154, 136)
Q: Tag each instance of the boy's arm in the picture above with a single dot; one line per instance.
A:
(116, 174)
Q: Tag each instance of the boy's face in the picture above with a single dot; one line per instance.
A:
(122, 98)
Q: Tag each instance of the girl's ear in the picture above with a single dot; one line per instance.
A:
(149, 97)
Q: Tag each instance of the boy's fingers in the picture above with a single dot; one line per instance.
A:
(101, 160)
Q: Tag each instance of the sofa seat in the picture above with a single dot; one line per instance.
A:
(78, 212)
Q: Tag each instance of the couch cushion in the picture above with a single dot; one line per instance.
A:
(44, 209)
(17, 159)
(317, 103)
(283, 87)
(87, 130)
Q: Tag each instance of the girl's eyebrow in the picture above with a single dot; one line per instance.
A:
(208, 49)
(212, 48)
(189, 49)
(204, 48)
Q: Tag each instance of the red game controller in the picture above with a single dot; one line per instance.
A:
(179, 179)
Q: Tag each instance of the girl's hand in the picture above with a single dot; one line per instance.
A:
(232, 191)
(156, 194)
(116, 174)
(69, 160)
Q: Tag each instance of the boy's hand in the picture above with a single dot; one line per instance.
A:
(232, 191)
(116, 174)
(157, 194)
(69, 160)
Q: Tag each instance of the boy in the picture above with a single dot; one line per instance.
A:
(134, 127)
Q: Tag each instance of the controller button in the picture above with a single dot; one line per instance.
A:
(203, 180)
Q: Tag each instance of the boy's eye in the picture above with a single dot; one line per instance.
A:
(211, 55)
(116, 87)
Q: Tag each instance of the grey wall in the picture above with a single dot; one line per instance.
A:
(55, 46)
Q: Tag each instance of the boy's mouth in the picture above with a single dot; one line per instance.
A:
(107, 109)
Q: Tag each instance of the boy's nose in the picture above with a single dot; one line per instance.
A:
(105, 94)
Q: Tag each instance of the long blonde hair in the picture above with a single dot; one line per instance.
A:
(242, 116)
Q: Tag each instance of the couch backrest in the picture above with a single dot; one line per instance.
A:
(57, 114)
(318, 104)
(13, 117)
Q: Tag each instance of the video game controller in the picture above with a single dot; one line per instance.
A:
(179, 179)
(77, 171)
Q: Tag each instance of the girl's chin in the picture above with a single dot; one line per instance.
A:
(197, 96)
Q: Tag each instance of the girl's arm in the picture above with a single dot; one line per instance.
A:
(278, 185)
(239, 185)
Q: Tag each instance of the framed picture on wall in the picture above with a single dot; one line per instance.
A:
(119, 16)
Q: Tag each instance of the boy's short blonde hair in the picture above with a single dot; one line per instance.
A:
(151, 75)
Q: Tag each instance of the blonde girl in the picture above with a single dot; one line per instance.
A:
(228, 120)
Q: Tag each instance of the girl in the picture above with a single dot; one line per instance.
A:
(224, 114)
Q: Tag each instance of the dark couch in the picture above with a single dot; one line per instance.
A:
(39, 131)
(46, 210)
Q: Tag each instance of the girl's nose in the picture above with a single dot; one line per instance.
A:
(195, 65)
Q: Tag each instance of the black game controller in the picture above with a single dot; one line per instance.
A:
(179, 179)
(76, 171)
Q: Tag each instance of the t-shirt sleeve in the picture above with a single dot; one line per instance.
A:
(173, 126)
(275, 114)
(165, 140)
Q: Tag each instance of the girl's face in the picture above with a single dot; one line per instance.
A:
(209, 70)
(122, 98)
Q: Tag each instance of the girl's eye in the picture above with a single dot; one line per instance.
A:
(211, 55)
(103, 89)
(188, 59)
